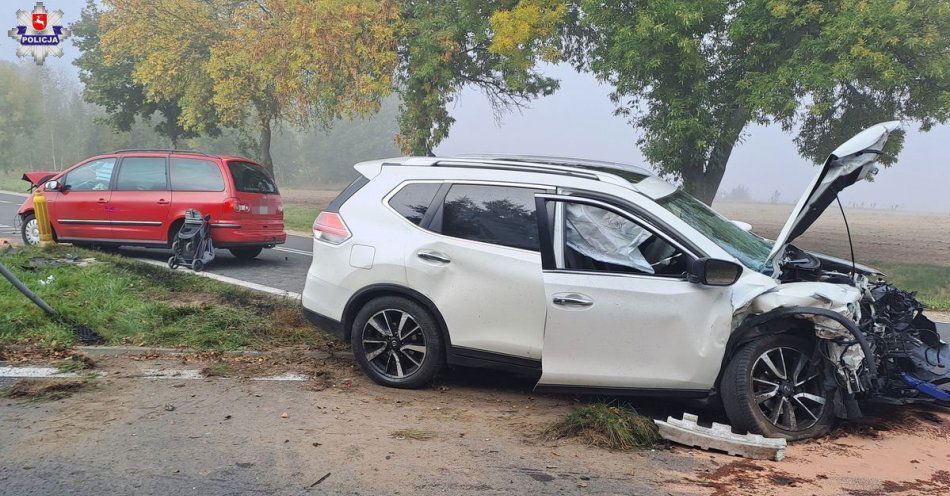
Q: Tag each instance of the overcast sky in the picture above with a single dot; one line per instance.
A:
(578, 121)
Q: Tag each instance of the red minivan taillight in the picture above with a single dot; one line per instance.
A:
(329, 227)
(236, 205)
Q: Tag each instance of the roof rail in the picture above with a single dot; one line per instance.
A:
(522, 166)
(162, 150)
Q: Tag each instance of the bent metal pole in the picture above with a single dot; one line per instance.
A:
(26, 291)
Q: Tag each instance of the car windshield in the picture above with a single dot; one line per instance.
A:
(748, 248)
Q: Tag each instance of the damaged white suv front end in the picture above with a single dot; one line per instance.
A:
(873, 341)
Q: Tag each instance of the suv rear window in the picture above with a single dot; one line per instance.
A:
(413, 200)
(502, 215)
(189, 174)
(249, 178)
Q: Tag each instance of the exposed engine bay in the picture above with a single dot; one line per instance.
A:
(909, 362)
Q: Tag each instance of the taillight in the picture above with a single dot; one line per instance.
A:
(237, 205)
(330, 227)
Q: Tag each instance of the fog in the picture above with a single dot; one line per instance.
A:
(578, 121)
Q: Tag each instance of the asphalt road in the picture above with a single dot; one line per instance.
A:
(284, 267)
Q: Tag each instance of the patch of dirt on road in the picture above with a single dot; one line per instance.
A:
(44, 389)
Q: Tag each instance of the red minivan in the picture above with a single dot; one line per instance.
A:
(139, 198)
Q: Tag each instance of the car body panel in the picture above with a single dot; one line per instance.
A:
(854, 160)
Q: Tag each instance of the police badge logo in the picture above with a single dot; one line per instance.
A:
(39, 33)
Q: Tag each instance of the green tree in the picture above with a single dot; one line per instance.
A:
(260, 62)
(693, 74)
(112, 87)
(444, 45)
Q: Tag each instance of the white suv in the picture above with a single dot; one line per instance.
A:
(600, 277)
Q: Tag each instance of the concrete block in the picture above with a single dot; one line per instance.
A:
(720, 437)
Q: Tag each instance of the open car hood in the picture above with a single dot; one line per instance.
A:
(38, 178)
(849, 163)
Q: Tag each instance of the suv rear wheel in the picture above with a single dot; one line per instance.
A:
(771, 387)
(397, 342)
(246, 253)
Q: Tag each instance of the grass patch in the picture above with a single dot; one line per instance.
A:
(13, 182)
(132, 303)
(414, 434)
(931, 282)
(75, 364)
(607, 426)
(299, 217)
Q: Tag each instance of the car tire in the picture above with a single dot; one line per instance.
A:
(410, 360)
(29, 230)
(246, 253)
(760, 395)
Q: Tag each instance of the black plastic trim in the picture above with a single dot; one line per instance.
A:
(345, 195)
(469, 357)
(328, 324)
(622, 391)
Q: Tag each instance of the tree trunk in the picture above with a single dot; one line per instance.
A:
(703, 182)
(265, 157)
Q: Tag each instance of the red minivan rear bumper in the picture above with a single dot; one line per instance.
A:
(230, 234)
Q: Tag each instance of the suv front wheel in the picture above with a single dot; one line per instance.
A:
(397, 342)
(772, 387)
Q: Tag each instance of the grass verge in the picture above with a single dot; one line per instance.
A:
(931, 282)
(300, 217)
(413, 434)
(132, 303)
(607, 426)
(13, 182)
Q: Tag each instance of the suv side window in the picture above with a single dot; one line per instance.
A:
(502, 215)
(94, 176)
(413, 200)
(189, 174)
(142, 174)
(600, 240)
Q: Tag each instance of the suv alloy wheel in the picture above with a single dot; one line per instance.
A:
(397, 342)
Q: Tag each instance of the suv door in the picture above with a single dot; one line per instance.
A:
(140, 200)
(478, 261)
(79, 209)
(620, 312)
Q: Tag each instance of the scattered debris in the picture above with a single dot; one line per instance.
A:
(38, 262)
(49, 280)
(720, 437)
(44, 389)
(169, 407)
(321, 479)
(414, 434)
(284, 415)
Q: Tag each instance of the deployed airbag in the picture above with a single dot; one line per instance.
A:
(605, 236)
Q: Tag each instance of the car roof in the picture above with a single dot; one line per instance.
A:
(624, 175)
(163, 152)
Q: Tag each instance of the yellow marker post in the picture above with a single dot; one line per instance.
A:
(42, 219)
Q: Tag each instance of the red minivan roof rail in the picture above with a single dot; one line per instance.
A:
(164, 150)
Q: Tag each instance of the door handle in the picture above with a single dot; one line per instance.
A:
(163, 202)
(102, 200)
(572, 300)
(433, 256)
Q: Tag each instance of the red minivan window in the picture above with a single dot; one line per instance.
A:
(250, 179)
(189, 174)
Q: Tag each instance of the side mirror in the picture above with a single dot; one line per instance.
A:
(714, 272)
(745, 226)
(53, 185)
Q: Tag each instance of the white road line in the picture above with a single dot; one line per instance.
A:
(187, 374)
(230, 280)
(294, 250)
(33, 372)
(13, 193)
(289, 376)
